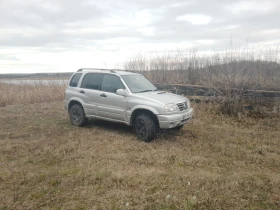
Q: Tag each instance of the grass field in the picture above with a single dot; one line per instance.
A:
(25, 93)
(215, 162)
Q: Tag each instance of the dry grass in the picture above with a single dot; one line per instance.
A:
(26, 93)
(215, 162)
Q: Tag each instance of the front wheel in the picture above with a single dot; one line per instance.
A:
(145, 128)
(77, 115)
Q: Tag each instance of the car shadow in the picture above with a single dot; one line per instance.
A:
(122, 128)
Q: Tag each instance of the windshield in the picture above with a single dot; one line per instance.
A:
(138, 83)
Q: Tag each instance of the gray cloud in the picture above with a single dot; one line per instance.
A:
(111, 25)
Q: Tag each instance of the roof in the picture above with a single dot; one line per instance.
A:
(116, 71)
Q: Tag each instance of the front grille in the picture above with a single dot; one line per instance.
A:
(182, 106)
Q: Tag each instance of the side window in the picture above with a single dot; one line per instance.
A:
(111, 83)
(85, 82)
(92, 81)
(75, 80)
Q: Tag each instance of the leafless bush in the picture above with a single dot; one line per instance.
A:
(231, 73)
(252, 69)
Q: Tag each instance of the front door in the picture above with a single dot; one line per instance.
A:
(111, 105)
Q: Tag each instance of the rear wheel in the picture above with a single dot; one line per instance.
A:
(145, 128)
(77, 115)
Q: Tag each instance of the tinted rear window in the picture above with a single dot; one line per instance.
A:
(75, 80)
(92, 81)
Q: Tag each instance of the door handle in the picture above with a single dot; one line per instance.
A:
(82, 91)
(103, 95)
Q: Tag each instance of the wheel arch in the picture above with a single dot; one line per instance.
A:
(74, 102)
(139, 111)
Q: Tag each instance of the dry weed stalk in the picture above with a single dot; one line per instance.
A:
(30, 93)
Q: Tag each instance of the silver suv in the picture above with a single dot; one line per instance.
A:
(125, 97)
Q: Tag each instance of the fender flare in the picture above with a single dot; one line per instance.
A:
(75, 99)
(143, 107)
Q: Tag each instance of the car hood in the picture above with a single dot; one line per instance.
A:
(162, 96)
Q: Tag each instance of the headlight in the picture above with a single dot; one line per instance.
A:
(170, 108)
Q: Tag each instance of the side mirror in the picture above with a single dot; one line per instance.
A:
(121, 92)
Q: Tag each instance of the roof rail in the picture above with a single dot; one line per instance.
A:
(111, 70)
(91, 69)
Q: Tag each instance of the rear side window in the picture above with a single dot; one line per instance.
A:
(111, 83)
(92, 81)
(75, 80)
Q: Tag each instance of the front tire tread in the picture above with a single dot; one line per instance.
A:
(151, 129)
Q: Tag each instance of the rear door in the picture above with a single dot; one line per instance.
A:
(111, 105)
(90, 91)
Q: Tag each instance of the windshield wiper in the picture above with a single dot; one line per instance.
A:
(143, 91)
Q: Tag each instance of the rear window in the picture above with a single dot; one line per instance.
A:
(92, 81)
(75, 80)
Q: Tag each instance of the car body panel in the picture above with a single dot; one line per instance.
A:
(112, 106)
(162, 96)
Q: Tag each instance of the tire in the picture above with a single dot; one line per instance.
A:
(77, 115)
(145, 128)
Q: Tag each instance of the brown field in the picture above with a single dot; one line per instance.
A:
(215, 162)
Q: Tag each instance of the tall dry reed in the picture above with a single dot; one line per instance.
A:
(27, 93)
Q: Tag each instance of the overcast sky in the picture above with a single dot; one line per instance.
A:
(64, 35)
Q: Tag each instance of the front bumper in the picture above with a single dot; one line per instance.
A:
(175, 120)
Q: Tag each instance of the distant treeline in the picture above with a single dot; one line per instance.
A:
(37, 75)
